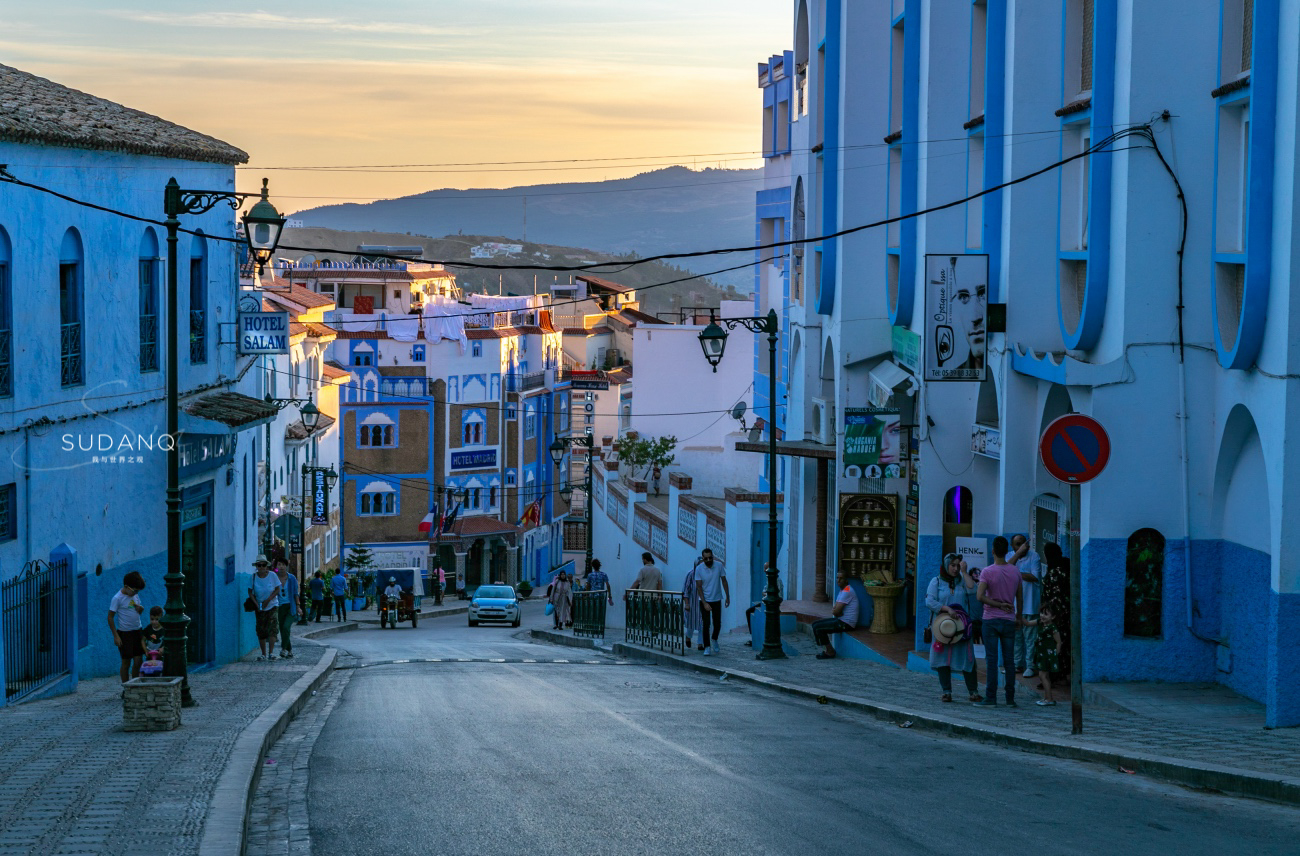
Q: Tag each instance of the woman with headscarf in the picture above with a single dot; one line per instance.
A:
(950, 594)
(560, 596)
(691, 607)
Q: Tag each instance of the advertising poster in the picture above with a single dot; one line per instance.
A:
(872, 443)
(956, 300)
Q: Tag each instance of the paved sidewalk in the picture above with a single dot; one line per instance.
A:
(1250, 761)
(73, 782)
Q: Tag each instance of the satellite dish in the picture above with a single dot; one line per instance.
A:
(738, 412)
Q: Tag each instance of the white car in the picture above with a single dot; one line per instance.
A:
(494, 603)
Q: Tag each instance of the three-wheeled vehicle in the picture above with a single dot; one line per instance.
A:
(406, 607)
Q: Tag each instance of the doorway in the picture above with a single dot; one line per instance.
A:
(196, 565)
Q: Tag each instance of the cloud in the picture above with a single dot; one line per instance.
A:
(269, 21)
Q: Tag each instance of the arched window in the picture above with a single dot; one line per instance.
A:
(957, 511)
(6, 320)
(1144, 576)
(198, 301)
(71, 343)
(148, 277)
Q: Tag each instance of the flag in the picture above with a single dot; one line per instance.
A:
(430, 519)
(450, 518)
(532, 515)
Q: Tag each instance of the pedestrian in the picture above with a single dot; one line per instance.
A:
(265, 592)
(288, 610)
(441, 584)
(844, 616)
(317, 586)
(649, 577)
(950, 594)
(153, 631)
(124, 610)
(711, 585)
(1000, 592)
(559, 594)
(1056, 596)
(339, 588)
(691, 607)
(758, 604)
(1047, 652)
(597, 580)
(1031, 569)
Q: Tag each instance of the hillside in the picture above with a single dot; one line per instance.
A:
(338, 245)
(668, 210)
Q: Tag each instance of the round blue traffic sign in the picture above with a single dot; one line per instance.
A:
(1075, 448)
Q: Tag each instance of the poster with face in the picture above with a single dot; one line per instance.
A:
(956, 299)
(872, 442)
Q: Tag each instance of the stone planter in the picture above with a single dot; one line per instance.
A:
(151, 704)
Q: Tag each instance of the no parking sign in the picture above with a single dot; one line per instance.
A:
(1075, 448)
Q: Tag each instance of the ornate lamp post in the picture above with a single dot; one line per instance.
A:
(263, 226)
(713, 340)
(561, 446)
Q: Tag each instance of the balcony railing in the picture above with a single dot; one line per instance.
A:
(198, 336)
(70, 367)
(404, 387)
(6, 364)
(148, 343)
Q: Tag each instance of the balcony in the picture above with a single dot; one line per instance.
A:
(516, 382)
(403, 387)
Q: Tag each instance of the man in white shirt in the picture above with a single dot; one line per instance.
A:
(1031, 588)
(124, 622)
(844, 616)
(711, 585)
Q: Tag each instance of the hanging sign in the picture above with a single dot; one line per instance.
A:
(956, 302)
(263, 332)
(320, 498)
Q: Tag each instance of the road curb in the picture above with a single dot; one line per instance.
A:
(455, 610)
(225, 827)
(1230, 780)
(337, 628)
(569, 641)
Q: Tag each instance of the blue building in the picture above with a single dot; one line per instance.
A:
(82, 384)
(1181, 350)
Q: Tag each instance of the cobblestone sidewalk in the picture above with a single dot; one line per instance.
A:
(73, 782)
(278, 823)
(1272, 753)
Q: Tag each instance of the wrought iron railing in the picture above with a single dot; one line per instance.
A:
(198, 336)
(654, 620)
(589, 613)
(70, 373)
(37, 624)
(575, 535)
(6, 364)
(148, 343)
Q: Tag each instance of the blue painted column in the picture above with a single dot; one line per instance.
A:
(1282, 687)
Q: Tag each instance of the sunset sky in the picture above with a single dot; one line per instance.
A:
(328, 83)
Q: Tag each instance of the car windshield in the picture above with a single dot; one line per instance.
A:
(495, 591)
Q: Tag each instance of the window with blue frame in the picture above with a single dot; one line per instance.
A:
(530, 422)
(363, 358)
(377, 436)
(378, 503)
(476, 348)
(71, 317)
(9, 512)
(417, 353)
(198, 302)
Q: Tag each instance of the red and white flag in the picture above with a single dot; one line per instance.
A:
(431, 518)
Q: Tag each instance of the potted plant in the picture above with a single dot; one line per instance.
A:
(884, 595)
(360, 562)
(525, 588)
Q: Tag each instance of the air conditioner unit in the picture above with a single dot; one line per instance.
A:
(822, 424)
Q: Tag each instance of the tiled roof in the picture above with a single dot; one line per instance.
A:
(490, 333)
(283, 289)
(39, 111)
(230, 408)
(333, 372)
(640, 317)
(319, 331)
(295, 430)
(604, 284)
(479, 525)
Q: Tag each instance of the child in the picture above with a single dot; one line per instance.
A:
(124, 622)
(153, 631)
(1047, 652)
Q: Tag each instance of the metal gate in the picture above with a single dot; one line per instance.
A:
(654, 620)
(37, 624)
(589, 613)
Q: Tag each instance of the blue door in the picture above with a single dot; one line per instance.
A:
(758, 557)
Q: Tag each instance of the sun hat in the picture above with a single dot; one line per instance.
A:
(261, 560)
(946, 629)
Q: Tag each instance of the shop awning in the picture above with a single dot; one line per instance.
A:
(887, 377)
(232, 409)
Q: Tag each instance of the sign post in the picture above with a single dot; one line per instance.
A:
(1075, 449)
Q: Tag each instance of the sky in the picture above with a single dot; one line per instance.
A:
(328, 83)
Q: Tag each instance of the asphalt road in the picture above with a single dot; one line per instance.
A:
(507, 758)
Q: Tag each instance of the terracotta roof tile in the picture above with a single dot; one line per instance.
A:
(605, 284)
(230, 408)
(40, 111)
(295, 430)
(333, 372)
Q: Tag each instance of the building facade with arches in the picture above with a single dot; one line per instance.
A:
(1169, 325)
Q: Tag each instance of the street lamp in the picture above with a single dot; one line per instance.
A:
(263, 235)
(559, 447)
(713, 340)
(566, 492)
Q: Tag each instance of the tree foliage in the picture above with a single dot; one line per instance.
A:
(642, 455)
